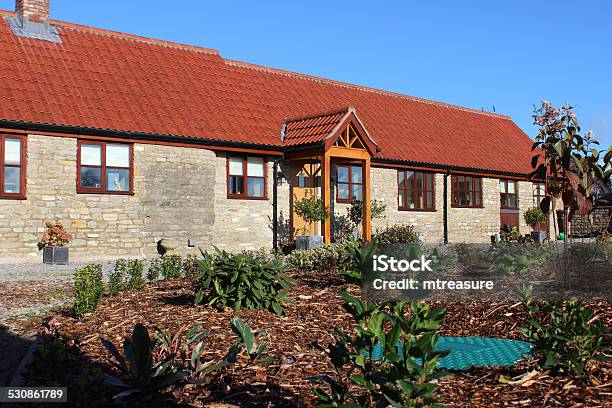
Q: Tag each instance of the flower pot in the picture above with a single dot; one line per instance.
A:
(55, 255)
(306, 242)
(538, 236)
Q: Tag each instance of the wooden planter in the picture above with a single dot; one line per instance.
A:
(55, 255)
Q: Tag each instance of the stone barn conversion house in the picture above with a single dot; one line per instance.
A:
(129, 140)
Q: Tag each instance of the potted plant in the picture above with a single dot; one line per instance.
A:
(312, 210)
(534, 217)
(53, 243)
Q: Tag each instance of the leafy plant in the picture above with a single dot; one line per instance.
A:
(190, 266)
(398, 234)
(154, 271)
(117, 277)
(509, 234)
(310, 208)
(362, 256)
(534, 216)
(143, 380)
(404, 374)
(329, 257)
(241, 281)
(510, 258)
(88, 289)
(568, 334)
(247, 342)
(135, 268)
(172, 267)
(355, 211)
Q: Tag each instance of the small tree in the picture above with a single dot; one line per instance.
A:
(355, 212)
(566, 160)
(311, 209)
(534, 216)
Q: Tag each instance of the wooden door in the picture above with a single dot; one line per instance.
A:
(303, 183)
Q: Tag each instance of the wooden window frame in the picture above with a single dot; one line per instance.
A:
(455, 191)
(424, 190)
(506, 206)
(245, 177)
(103, 167)
(21, 195)
(537, 198)
(350, 182)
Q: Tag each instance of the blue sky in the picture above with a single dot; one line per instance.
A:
(477, 54)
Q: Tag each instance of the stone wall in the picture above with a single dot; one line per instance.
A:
(246, 224)
(173, 198)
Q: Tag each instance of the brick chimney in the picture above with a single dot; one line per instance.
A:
(34, 10)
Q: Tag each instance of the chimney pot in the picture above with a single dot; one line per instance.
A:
(34, 10)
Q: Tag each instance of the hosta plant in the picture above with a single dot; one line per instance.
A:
(403, 376)
(241, 281)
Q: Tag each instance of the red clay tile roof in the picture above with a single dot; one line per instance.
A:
(105, 80)
(310, 129)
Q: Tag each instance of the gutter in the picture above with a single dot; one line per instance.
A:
(445, 208)
(135, 136)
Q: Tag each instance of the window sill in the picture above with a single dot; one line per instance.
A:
(467, 206)
(236, 197)
(126, 193)
(416, 209)
(13, 197)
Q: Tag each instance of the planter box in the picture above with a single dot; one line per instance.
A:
(306, 242)
(538, 236)
(55, 255)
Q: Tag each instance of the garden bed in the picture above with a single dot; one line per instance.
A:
(316, 310)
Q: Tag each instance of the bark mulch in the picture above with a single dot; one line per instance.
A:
(314, 314)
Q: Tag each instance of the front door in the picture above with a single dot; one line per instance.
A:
(509, 206)
(303, 184)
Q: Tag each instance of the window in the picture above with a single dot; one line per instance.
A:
(104, 168)
(246, 177)
(12, 166)
(415, 190)
(539, 192)
(349, 185)
(508, 193)
(466, 191)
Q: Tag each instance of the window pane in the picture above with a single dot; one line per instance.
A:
(511, 186)
(430, 182)
(512, 200)
(118, 156)
(12, 151)
(418, 199)
(430, 200)
(410, 199)
(468, 183)
(343, 174)
(235, 166)
(117, 180)
(91, 177)
(410, 179)
(356, 174)
(236, 184)
(91, 155)
(256, 187)
(502, 187)
(343, 191)
(255, 167)
(357, 192)
(402, 199)
(462, 198)
(504, 202)
(12, 179)
(400, 179)
(419, 180)
(477, 183)
(477, 198)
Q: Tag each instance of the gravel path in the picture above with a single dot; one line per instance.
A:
(40, 271)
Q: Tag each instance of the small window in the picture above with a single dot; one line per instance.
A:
(466, 191)
(12, 166)
(349, 184)
(508, 194)
(246, 177)
(539, 192)
(104, 168)
(415, 190)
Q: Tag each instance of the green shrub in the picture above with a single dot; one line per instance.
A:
(117, 277)
(88, 289)
(154, 271)
(404, 376)
(190, 266)
(566, 333)
(240, 281)
(534, 216)
(355, 211)
(172, 267)
(398, 234)
(135, 269)
(509, 258)
(322, 258)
